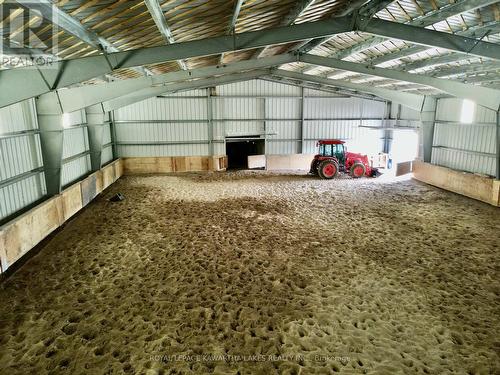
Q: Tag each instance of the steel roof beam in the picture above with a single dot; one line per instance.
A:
(68, 72)
(477, 31)
(162, 25)
(236, 14)
(428, 19)
(480, 30)
(201, 83)
(413, 101)
(450, 10)
(482, 78)
(290, 19)
(368, 10)
(440, 60)
(373, 7)
(296, 11)
(492, 28)
(342, 93)
(72, 99)
(232, 22)
(465, 69)
(182, 86)
(486, 97)
(430, 38)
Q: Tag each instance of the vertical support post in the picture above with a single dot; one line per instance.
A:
(95, 125)
(265, 126)
(210, 122)
(498, 146)
(387, 132)
(361, 112)
(302, 119)
(29, 112)
(51, 124)
(390, 132)
(428, 119)
(112, 128)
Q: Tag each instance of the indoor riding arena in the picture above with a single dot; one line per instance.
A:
(250, 187)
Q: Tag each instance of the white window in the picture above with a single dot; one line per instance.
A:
(66, 120)
(468, 109)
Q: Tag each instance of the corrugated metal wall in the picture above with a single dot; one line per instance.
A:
(177, 126)
(76, 158)
(349, 119)
(400, 112)
(463, 146)
(180, 124)
(22, 179)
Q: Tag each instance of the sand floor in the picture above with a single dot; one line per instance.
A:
(261, 274)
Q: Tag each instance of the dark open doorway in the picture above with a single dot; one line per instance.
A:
(238, 150)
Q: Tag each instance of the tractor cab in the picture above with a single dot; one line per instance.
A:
(333, 158)
(336, 150)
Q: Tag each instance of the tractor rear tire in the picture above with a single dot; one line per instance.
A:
(328, 169)
(358, 170)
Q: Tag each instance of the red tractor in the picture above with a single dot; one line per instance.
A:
(333, 157)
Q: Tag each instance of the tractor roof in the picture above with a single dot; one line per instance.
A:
(330, 142)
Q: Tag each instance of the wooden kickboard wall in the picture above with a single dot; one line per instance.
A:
(471, 185)
(20, 235)
(171, 164)
(297, 162)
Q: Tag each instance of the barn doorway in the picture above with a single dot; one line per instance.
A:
(239, 149)
(404, 145)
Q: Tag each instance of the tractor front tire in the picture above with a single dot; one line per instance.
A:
(328, 169)
(358, 170)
